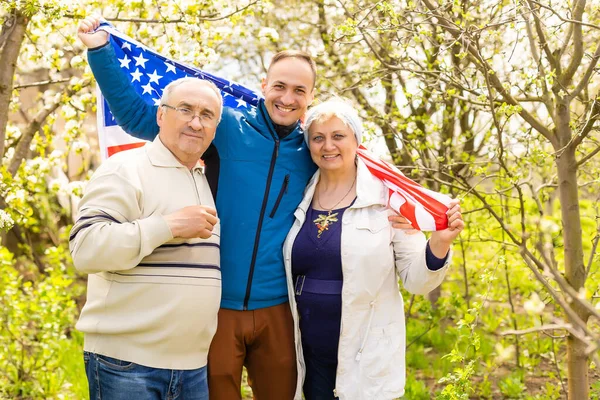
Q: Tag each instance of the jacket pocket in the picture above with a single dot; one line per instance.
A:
(382, 367)
(373, 225)
(282, 191)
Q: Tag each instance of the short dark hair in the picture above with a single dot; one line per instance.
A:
(296, 54)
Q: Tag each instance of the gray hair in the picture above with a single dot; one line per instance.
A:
(334, 108)
(173, 84)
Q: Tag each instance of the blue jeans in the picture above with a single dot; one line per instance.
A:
(112, 379)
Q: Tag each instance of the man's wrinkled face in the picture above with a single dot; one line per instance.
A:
(288, 90)
(188, 131)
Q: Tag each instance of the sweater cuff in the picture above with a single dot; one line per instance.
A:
(155, 230)
(434, 263)
(99, 47)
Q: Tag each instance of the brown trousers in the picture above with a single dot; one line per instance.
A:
(262, 341)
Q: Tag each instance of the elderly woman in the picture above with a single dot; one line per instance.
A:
(343, 257)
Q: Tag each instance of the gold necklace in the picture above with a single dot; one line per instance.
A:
(324, 221)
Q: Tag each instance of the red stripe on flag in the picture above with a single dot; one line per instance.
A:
(122, 147)
(407, 209)
(382, 170)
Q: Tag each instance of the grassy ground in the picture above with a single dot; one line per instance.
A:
(423, 372)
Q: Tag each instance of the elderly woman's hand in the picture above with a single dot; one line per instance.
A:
(441, 240)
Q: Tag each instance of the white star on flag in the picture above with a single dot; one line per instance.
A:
(141, 61)
(149, 73)
(147, 88)
(154, 77)
(125, 61)
(241, 103)
(136, 75)
(171, 68)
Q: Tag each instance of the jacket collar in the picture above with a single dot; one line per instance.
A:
(160, 156)
(369, 189)
(265, 118)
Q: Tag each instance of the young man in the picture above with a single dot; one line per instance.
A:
(148, 235)
(258, 169)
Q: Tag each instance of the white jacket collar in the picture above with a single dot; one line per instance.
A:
(369, 189)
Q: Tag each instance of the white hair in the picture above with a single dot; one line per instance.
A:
(173, 84)
(335, 108)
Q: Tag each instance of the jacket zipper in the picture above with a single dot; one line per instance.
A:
(283, 190)
(263, 209)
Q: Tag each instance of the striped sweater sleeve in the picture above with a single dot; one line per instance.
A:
(110, 233)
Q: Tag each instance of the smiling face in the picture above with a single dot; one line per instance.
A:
(332, 145)
(288, 90)
(188, 140)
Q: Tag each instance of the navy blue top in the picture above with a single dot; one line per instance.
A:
(319, 258)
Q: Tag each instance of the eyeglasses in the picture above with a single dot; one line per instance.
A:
(185, 114)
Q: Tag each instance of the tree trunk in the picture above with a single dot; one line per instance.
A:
(16, 25)
(577, 361)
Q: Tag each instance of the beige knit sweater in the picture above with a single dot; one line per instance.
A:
(151, 299)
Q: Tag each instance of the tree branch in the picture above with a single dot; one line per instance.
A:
(534, 52)
(588, 157)
(41, 83)
(593, 252)
(563, 19)
(554, 64)
(585, 80)
(36, 123)
(483, 66)
(9, 56)
(593, 116)
(529, 258)
(568, 74)
(208, 18)
(534, 329)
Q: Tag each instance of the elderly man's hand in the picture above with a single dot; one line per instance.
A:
(192, 222)
(85, 29)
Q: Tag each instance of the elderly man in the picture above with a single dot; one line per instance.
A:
(148, 235)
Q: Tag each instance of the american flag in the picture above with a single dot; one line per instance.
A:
(150, 72)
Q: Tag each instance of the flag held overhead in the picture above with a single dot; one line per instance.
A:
(149, 73)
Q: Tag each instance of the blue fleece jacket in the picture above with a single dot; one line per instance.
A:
(261, 181)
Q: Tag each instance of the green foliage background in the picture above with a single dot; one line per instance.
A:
(442, 132)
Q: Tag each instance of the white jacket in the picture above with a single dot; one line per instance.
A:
(371, 350)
